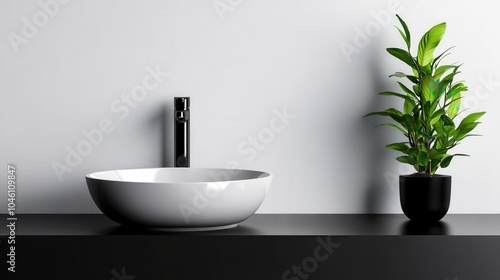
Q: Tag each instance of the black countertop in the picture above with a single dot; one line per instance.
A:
(266, 246)
(267, 225)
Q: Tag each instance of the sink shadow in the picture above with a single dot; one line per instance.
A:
(129, 230)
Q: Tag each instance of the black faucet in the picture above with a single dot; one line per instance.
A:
(181, 132)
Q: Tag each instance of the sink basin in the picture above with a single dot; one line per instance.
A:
(179, 199)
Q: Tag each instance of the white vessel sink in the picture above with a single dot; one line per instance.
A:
(179, 199)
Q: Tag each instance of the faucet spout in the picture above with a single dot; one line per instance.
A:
(181, 131)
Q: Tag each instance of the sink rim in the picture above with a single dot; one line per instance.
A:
(263, 174)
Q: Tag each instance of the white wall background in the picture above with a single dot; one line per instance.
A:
(63, 75)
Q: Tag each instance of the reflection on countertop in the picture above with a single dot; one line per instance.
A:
(267, 224)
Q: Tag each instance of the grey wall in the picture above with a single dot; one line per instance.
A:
(74, 68)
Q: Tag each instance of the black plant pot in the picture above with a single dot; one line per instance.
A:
(425, 198)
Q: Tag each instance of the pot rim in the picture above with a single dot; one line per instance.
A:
(425, 175)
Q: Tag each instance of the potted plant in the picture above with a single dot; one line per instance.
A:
(430, 105)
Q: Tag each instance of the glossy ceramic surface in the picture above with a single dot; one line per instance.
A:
(180, 199)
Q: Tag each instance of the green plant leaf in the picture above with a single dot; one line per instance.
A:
(408, 106)
(416, 167)
(390, 93)
(406, 36)
(388, 112)
(461, 155)
(406, 89)
(449, 130)
(413, 79)
(463, 130)
(437, 90)
(447, 121)
(429, 42)
(399, 75)
(401, 32)
(439, 126)
(471, 118)
(401, 147)
(409, 122)
(440, 143)
(427, 110)
(455, 89)
(412, 152)
(435, 165)
(415, 89)
(427, 85)
(422, 158)
(426, 136)
(447, 159)
(434, 104)
(391, 112)
(427, 69)
(441, 70)
(436, 116)
(431, 89)
(448, 79)
(403, 56)
(415, 72)
(435, 154)
(454, 106)
(451, 143)
(471, 135)
(436, 61)
(406, 159)
(394, 126)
